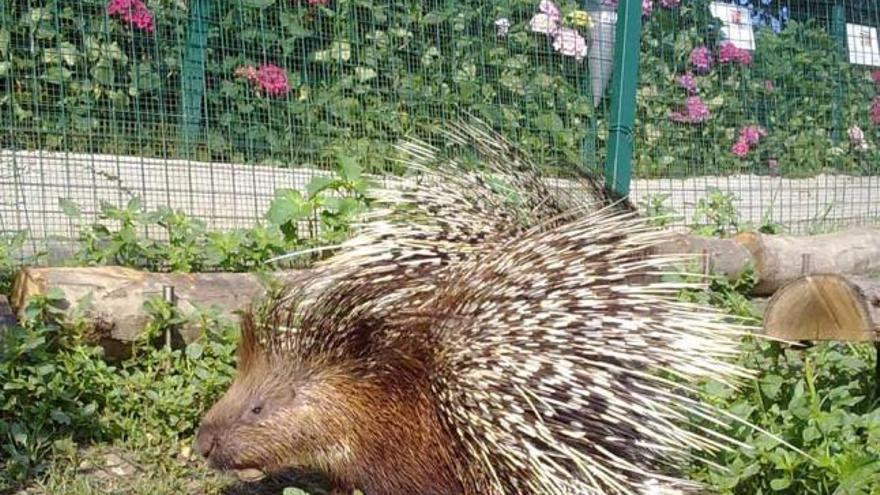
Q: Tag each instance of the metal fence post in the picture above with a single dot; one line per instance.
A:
(193, 73)
(618, 167)
(838, 32)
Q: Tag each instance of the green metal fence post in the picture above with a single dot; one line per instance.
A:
(193, 73)
(618, 168)
(838, 32)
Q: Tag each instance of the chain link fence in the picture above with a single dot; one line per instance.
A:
(210, 106)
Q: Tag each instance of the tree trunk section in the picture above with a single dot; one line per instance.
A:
(779, 259)
(116, 297)
(825, 307)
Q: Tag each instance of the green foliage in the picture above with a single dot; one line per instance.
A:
(790, 89)
(120, 236)
(9, 246)
(716, 214)
(654, 207)
(57, 389)
(362, 74)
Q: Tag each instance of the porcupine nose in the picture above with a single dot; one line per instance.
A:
(206, 440)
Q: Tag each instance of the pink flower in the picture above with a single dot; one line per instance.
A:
(647, 7)
(550, 8)
(688, 82)
(875, 111)
(740, 148)
(695, 112)
(319, 2)
(730, 53)
(247, 71)
(701, 58)
(273, 80)
(133, 13)
(670, 4)
(875, 75)
(569, 42)
(752, 134)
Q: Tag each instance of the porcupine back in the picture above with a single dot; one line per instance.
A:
(556, 359)
(552, 363)
(448, 212)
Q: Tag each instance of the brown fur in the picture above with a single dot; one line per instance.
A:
(373, 430)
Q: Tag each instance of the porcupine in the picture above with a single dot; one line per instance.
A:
(547, 363)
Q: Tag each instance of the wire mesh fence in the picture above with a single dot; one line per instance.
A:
(210, 106)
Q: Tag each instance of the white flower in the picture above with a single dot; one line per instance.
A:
(502, 26)
(550, 8)
(857, 136)
(543, 23)
(568, 41)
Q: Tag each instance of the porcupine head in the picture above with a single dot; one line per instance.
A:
(337, 408)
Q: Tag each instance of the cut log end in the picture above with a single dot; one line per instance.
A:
(825, 307)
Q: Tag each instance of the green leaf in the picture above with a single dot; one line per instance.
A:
(55, 294)
(287, 205)
(293, 491)
(19, 435)
(60, 417)
(348, 167)
(318, 184)
(780, 484)
(69, 208)
(4, 69)
(194, 350)
(103, 73)
(5, 38)
(258, 4)
(338, 51)
(56, 75)
(364, 74)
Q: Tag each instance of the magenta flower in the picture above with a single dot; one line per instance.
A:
(875, 75)
(270, 78)
(688, 82)
(751, 134)
(875, 111)
(695, 112)
(731, 53)
(319, 2)
(132, 12)
(647, 7)
(728, 53)
(568, 41)
(740, 148)
(670, 4)
(273, 80)
(701, 58)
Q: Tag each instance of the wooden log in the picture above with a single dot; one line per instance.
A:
(779, 259)
(825, 307)
(723, 256)
(117, 295)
